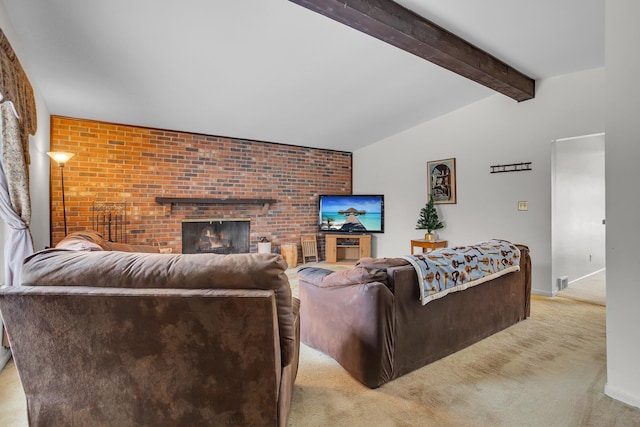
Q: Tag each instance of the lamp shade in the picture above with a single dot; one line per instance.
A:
(60, 156)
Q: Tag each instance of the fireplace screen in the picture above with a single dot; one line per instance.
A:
(219, 236)
(110, 220)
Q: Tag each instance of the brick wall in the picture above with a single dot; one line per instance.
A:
(116, 163)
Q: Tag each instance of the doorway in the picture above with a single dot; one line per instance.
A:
(578, 217)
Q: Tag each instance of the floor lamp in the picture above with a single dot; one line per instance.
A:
(61, 158)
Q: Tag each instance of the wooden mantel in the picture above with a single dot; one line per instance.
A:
(170, 201)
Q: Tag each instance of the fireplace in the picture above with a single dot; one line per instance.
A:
(215, 236)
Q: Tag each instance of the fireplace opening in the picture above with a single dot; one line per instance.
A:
(216, 236)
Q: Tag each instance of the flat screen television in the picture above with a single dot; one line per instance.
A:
(351, 213)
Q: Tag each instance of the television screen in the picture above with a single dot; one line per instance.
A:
(351, 213)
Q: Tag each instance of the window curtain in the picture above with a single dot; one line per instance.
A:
(15, 202)
(15, 87)
(18, 120)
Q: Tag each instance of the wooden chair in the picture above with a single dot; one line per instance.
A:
(309, 247)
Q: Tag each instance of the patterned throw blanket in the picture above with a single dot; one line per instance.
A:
(454, 269)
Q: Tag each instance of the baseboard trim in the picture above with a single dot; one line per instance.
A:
(622, 396)
(587, 275)
(5, 355)
(543, 293)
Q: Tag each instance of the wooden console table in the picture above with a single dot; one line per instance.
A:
(428, 244)
(346, 248)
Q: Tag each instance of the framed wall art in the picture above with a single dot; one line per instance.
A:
(441, 181)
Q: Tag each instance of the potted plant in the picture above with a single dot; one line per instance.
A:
(428, 220)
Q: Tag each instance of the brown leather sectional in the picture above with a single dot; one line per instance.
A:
(371, 321)
(148, 339)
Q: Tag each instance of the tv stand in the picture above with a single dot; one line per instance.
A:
(346, 247)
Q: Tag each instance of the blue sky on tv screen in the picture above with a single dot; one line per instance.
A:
(371, 204)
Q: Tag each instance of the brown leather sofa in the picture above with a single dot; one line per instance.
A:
(145, 339)
(370, 320)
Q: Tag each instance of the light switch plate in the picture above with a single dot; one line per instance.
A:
(523, 205)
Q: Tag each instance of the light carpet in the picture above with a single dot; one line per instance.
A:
(591, 289)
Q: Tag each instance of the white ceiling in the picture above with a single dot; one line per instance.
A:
(271, 70)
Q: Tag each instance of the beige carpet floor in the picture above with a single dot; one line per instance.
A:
(549, 370)
(13, 406)
(591, 289)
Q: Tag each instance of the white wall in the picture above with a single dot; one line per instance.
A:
(623, 200)
(578, 207)
(39, 175)
(493, 131)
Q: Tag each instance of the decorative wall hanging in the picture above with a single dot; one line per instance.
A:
(512, 167)
(441, 181)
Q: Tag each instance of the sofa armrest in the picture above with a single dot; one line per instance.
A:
(290, 371)
(525, 269)
(313, 275)
(323, 278)
(296, 325)
(360, 315)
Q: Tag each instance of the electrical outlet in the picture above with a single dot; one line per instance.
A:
(523, 205)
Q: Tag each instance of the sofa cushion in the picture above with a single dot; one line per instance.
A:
(330, 279)
(78, 245)
(125, 247)
(381, 263)
(56, 267)
(74, 241)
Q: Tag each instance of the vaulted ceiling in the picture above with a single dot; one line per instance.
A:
(271, 70)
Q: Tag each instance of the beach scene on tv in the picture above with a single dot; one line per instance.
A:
(353, 214)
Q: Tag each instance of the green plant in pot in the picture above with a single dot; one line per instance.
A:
(428, 219)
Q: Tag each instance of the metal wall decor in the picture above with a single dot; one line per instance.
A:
(513, 167)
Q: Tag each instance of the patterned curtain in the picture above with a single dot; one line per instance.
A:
(15, 201)
(17, 120)
(15, 87)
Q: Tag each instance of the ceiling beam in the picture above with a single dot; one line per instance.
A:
(402, 28)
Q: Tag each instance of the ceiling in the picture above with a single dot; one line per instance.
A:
(271, 70)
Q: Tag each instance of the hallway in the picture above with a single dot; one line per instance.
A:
(591, 289)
